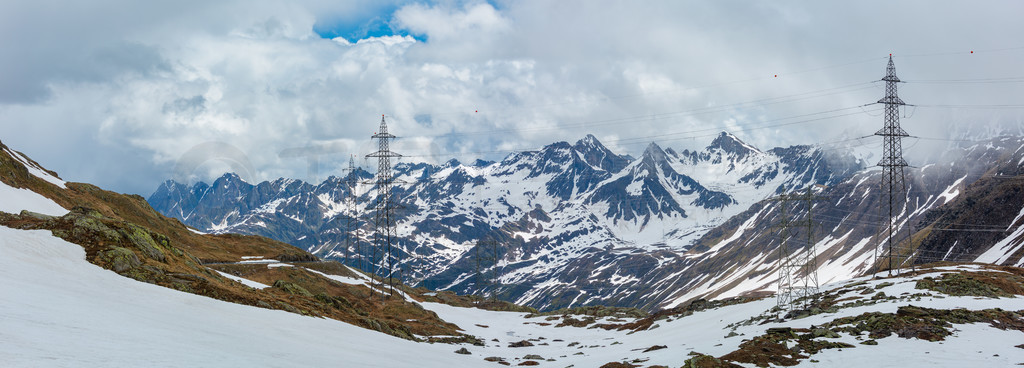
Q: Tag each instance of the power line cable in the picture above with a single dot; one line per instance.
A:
(664, 115)
(662, 137)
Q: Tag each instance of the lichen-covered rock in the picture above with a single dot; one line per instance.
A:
(520, 344)
(288, 307)
(655, 347)
(924, 323)
(292, 288)
(698, 360)
(569, 321)
(336, 302)
(27, 213)
(120, 259)
(142, 240)
(87, 223)
(618, 365)
(374, 324)
(598, 311)
(958, 284)
(766, 349)
(460, 339)
(824, 332)
(811, 346)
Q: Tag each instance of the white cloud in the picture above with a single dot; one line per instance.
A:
(116, 92)
(443, 24)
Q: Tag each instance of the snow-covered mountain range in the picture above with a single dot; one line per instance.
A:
(577, 224)
(139, 288)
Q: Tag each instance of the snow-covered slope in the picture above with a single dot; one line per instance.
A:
(721, 330)
(62, 311)
(962, 208)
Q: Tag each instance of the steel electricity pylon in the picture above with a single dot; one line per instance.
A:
(893, 185)
(384, 218)
(798, 268)
(486, 283)
(353, 237)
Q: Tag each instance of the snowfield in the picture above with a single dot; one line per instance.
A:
(243, 281)
(974, 345)
(14, 200)
(59, 310)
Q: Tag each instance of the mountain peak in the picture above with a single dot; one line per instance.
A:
(655, 152)
(452, 163)
(730, 143)
(596, 154)
(557, 145)
(230, 180)
(589, 141)
(230, 176)
(482, 163)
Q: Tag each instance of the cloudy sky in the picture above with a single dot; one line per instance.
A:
(126, 94)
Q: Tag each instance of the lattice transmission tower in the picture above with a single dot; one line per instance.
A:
(384, 219)
(798, 268)
(482, 261)
(893, 187)
(487, 282)
(353, 237)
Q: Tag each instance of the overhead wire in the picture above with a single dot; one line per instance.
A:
(773, 100)
(691, 136)
(962, 52)
(967, 81)
(764, 101)
(766, 76)
(996, 106)
(711, 109)
(753, 78)
(664, 115)
(867, 60)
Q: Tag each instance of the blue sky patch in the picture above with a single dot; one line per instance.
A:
(373, 22)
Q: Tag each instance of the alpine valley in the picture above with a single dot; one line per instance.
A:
(96, 277)
(577, 224)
